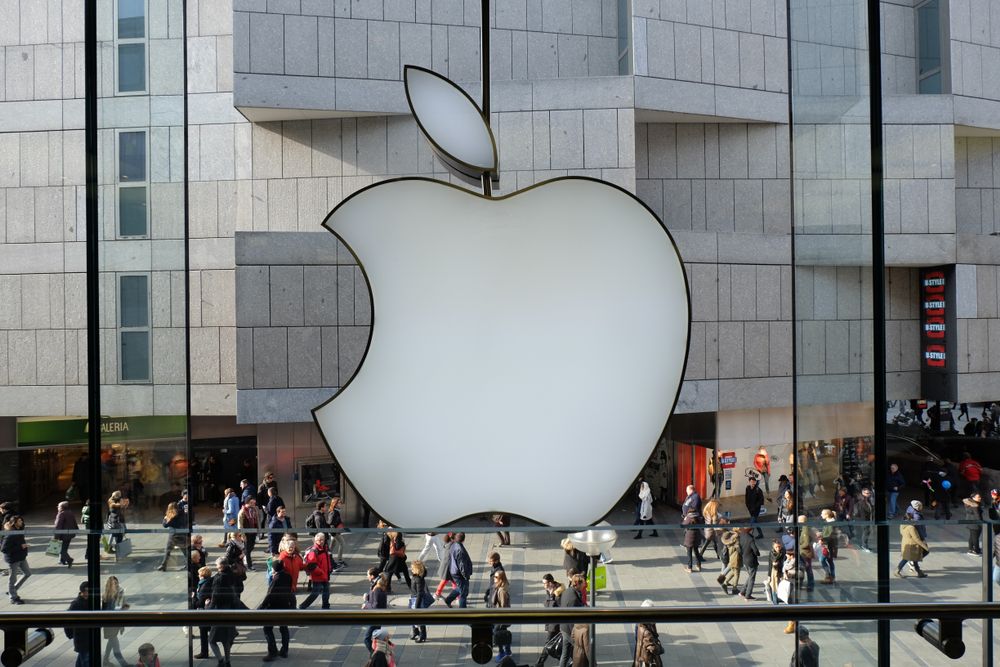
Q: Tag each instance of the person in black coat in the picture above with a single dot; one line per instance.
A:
(754, 498)
(274, 501)
(573, 558)
(279, 596)
(175, 521)
(223, 596)
(751, 560)
(81, 636)
(571, 597)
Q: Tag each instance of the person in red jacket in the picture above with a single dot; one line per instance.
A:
(762, 462)
(318, 567)
(972, 472)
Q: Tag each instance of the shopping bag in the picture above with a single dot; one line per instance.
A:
(54, 548)
(784, 590)
(123, 549)
(601, 578)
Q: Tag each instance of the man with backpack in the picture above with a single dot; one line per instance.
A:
(336, 527)
(319, 565)
(316, 522)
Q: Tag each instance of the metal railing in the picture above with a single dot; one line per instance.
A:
(676, 614)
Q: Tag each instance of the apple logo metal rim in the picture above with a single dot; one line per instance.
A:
(371, 327)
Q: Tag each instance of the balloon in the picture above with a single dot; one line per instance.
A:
(945, 484)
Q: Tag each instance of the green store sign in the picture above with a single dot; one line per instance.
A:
(113, 429)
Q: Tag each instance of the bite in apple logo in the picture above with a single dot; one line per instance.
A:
(525, 352)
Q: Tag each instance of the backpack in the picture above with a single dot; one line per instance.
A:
(311, 521)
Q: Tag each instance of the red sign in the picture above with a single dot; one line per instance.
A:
(932, 287)
(727, 459)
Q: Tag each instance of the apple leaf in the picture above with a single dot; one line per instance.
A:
(452, 122)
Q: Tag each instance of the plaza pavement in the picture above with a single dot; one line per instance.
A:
(648, 568)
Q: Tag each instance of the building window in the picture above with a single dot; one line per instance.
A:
(930, 48)
(624, 37)
(131, 46)
(133, 328)
(133, 218)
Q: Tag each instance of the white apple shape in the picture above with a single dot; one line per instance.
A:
(525, 351)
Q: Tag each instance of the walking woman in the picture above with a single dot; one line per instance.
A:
(501, 600)
(113, 600)
(643, 511)
(444, 569)
(786, 507)
(912, 550)
(396, 565)
(65, 520)
(421, 598)
(279, 596)
(692, 538)
(223, 596)
(116, 523)
(713, 536)
(230, 512)
(235, 547)
(15, 553)
(173, 521)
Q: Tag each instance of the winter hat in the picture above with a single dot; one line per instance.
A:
(917, 505)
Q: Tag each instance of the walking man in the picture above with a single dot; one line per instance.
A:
(754, 499)
(460, 568)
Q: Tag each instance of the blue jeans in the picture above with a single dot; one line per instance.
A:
(827, 564)
(460, 591)
(83, 659)
(317, 588)
(996, 575)
(893, 500)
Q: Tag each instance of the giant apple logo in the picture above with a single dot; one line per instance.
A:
(526, 351)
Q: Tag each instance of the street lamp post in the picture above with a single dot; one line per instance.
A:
(594, 541)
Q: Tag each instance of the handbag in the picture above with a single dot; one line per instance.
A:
(427, 599)
(54, 548)
(123, 549)
(784, 590)
(554, 647)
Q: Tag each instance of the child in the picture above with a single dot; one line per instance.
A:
(147, 656)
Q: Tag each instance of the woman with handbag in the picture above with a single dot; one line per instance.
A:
(553, 639)
(113, 600)
(775, 561)
(65, 520)
(421, 598)
(116, 524)
(787, 584)
(174, 521)
(235, 547)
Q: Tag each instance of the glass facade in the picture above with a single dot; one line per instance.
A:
(820, 341)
